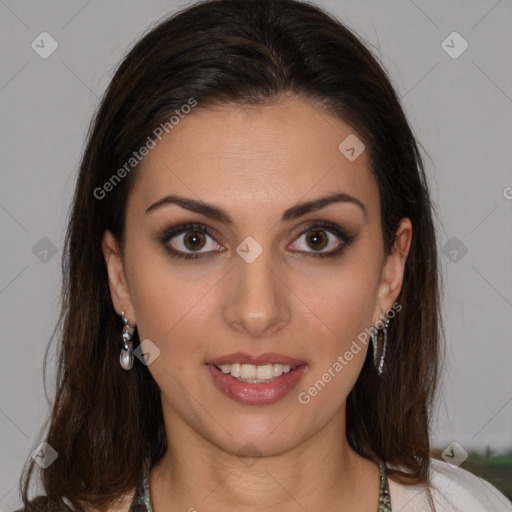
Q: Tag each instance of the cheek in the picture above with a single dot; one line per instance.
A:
(164, 306)
(339, 354)
(171, 302)
(345, 307)
(341, 299)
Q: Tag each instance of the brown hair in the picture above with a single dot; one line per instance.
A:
(105, 421)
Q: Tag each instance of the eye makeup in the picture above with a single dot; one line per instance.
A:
(345, 237)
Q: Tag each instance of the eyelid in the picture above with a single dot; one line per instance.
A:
(180, 229)
(332, 227)
(346, 237)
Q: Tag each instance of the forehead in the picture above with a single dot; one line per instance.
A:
(254, 157)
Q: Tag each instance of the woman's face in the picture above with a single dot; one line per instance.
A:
(274, 279)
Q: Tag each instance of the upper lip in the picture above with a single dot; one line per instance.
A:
(267, 358)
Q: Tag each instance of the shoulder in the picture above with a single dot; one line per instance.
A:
(454, 489)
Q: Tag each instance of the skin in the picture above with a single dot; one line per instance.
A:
(255, 163)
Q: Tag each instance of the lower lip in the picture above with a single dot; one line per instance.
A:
(256, 394)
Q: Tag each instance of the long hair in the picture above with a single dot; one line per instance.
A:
(105, 422)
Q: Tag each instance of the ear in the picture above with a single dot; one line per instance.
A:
(393, 270)
(118, 284)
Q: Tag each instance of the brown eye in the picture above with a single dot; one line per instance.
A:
(317, 239)
(194, 240)
(322, 235)
(190, 241)
(198, 241)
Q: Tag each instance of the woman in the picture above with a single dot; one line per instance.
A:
(252, 218)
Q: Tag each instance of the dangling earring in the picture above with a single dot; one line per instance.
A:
(126, 355)
(375, 341)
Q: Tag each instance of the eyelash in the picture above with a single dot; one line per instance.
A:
(334, 229)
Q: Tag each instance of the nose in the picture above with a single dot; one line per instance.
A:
(257, 302)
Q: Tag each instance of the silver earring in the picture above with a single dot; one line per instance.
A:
(375, 341)
(126, 355)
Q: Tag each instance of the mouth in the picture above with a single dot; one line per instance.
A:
(256, 384)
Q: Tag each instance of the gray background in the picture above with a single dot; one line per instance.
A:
(460, 109)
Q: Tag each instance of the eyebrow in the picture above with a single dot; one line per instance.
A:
(294, 212)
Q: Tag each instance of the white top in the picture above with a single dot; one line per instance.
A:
(455, 490)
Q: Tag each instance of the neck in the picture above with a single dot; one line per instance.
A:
(321, 472)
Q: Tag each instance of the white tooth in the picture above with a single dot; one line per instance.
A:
(265, 372)
(235, 370)
(278, 370)
(253, 381)
(248, 371)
